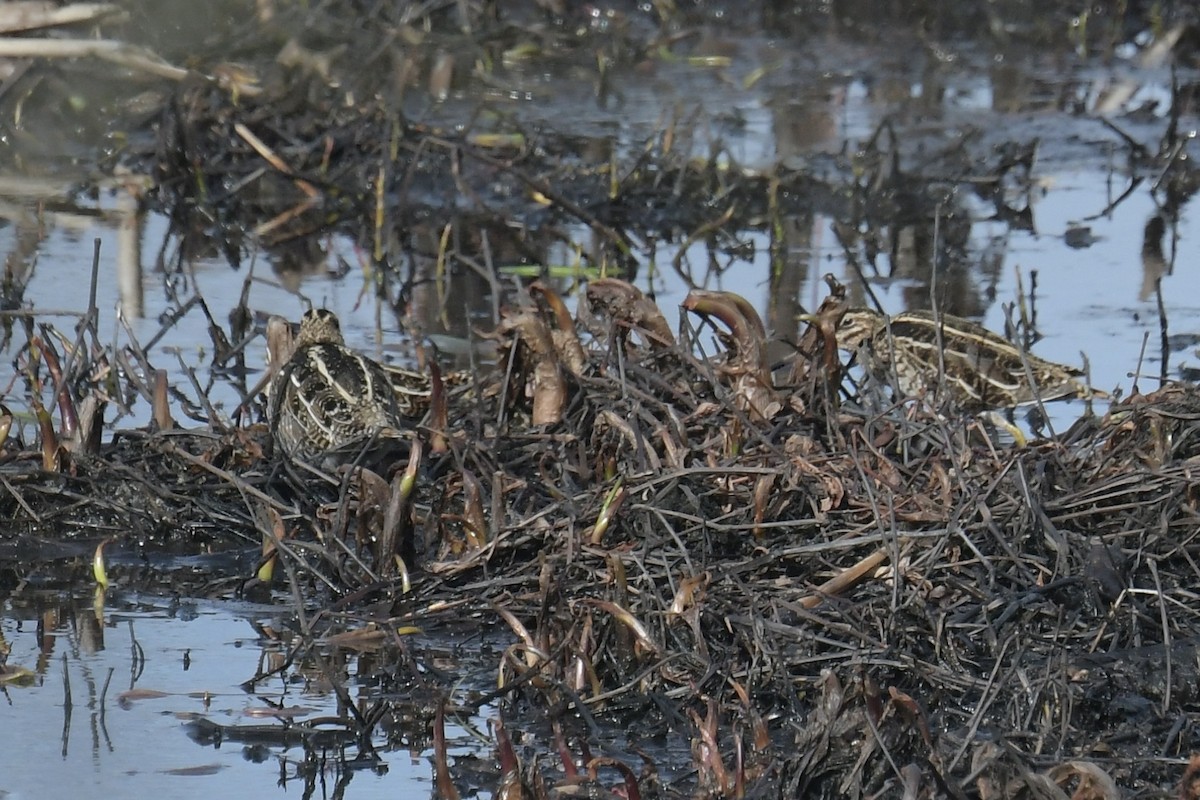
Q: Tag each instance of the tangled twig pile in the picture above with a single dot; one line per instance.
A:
(828, 599)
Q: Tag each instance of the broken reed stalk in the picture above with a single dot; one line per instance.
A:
(394, 547)
(162, 402)
(845, 579)
(474, 519)
(439, 412)
(68, 415)
(565, 337)
(23, 18)
(144, 367)
(51, 449)
(280, 347)
(616, 237)
(90, 322)
(532, 356)
(61, 375)
(272, 537)
(608, 511)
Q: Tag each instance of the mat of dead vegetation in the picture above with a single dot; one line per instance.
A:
(820, 590)
(826, 599)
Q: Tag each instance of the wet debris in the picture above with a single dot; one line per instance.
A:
(759, 578)
(829, 599)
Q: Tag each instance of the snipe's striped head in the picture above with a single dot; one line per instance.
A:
(319, 326)
(859, 325)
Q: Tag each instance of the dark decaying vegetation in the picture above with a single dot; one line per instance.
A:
(676, 538)
(824, 599)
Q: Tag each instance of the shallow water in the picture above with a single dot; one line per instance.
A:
(197, 656)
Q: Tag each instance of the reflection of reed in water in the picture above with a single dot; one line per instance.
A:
(294, 260)
(449, 278)
(130, 222)
(801, 124)
(1154, 264)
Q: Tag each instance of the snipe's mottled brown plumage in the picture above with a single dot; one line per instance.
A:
(982, 370)
(326, 397)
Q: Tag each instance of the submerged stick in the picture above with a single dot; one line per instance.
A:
(17, 17)
(121, 53)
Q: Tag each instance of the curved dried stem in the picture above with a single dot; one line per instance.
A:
(628, 307)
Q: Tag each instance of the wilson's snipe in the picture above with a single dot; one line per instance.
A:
(979, 370)
(326, 397)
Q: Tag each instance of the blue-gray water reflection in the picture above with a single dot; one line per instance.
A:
(133, 683)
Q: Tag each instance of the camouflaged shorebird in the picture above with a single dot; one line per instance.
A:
(982, 369)
(327, 398)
